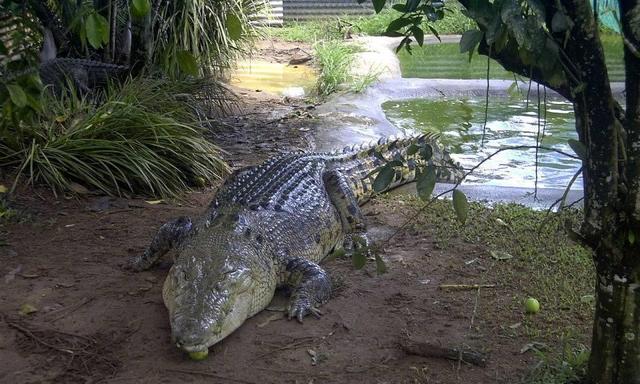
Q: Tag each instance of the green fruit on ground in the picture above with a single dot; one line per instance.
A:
(532, 305)
(200, 355)
(201, 182)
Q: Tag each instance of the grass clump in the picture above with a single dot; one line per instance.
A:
(570, 367)
(145, 137)
(336, 60)
(306, 31)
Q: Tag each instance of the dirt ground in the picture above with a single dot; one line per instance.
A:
(93, 321)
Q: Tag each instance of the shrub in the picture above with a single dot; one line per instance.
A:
(145, 137)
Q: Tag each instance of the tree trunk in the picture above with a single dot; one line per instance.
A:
(611, 173)
(615, 348)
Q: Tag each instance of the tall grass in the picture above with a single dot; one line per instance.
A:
(335, 59)
(215, 33)
(145, 138)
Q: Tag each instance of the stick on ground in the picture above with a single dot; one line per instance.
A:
(425, 349)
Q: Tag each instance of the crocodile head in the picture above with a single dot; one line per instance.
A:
(209, 291)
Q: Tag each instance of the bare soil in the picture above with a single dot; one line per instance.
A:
(95, 322)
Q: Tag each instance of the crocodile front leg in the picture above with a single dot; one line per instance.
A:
(344, 200)
(346, 203)
(170, 235)
(311, 288)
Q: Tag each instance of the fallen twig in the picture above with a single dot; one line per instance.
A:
(290, 371)
(424, 349)
(294, 344)
(35, 338)
(461, 287)
(207, 374)
(65, 311)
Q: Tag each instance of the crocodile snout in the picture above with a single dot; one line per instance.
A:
(189, 343)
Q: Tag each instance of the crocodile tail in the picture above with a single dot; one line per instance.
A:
(92, 65)
(359, 162)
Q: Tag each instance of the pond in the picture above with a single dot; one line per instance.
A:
(277, 78)
(509, 123)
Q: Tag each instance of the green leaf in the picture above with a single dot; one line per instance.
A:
(378, 5)
(470, 40)
(412, 5)
(17, 95)
(418, 33)
(560, 22)
(632, 237)
(412, 150)
(426, 182)
(384, 178)
(399, 7)
(399, 23)
(426, 152)
(359, 259)
(234, 26)
(435, 33)
(97, 29)
(513, 91)
(380, 265)
(501, 255)
(501, 41)
(578, 148)
(460, 205)
(494, 29)
(140, 8)
(34, 102)
(187, 63)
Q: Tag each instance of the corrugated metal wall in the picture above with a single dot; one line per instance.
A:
(272, 15)
(316, 9)
(290, 10)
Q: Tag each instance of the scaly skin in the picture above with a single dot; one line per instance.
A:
(84, 74)
(269, 226)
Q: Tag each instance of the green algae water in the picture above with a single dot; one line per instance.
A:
(509, 123)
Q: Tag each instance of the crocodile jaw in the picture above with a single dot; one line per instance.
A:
(222, 323)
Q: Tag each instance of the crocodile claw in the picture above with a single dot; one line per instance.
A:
(301, 307)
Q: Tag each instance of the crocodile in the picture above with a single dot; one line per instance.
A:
(84, 75)
(269, 226)
(59, 73)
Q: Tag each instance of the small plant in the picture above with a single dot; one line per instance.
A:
(335, 59)
(570, 367)
(360, 83)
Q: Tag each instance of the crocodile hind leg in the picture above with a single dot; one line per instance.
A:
(346, 203)
(169, 236)
(311, 288)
